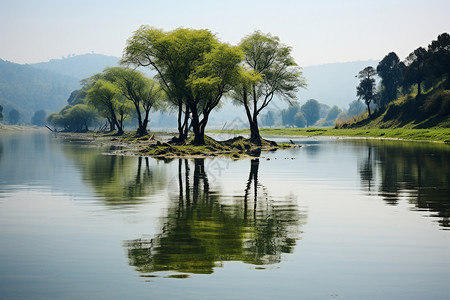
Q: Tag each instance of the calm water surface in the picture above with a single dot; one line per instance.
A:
(334, 219)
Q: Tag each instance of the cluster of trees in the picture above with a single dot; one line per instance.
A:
(422, 68)
(312, 113)
(116, 94)
(194, 72)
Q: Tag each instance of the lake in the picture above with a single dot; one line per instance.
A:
(333, 219)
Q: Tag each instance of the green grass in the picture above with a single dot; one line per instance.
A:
(433, 134)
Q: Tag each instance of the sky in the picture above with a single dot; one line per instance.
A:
(319, 31)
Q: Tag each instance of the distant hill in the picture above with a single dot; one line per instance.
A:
(79, 66)
(28, 89)
(333, 84)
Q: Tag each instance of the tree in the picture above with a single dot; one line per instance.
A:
(215, 77)
(310, 111)
(78, 96)
(1, 112)
(270, 70)
(390, 70)
(333, 113)
(75, 118)
(143, 92)
(14, 116)
(439, 61)
(365, 89)
(355, 108)
(103, 97)
(415, 69)
(38, 118)
(174, 55)
(288, 114)
(268, 119)
(299, 120)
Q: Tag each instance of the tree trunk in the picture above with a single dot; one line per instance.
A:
(114, 120)
(180, 126)
(199, 138)
(112, 126)
(254, 132)
(368, 109)
(185, 130)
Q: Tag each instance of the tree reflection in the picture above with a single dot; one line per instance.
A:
(200, 231)
(119, 180)
(417, 172)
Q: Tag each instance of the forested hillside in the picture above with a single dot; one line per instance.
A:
(28, 89)
(79, 66)
(414, 93)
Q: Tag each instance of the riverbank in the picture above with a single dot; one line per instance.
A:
(440, 135)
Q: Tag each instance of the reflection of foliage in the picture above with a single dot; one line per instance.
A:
(419, 171)
(121, 180)
(200, 231)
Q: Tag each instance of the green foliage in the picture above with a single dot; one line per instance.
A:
(75, 118)
(288, 115)
(194, 70)
(431, 134)
(310, 111)
(141, 92)
(103, 96)
(280, 76)
(366, 88)
(333, 113)
(390, 70)
(415, 69)
(78, 96)
(300, 120)
(38, 118)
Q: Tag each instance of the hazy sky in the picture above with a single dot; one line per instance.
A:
(319, 31)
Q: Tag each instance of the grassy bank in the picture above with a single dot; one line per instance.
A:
(434, 134)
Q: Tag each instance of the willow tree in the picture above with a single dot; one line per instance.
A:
(270, 71)
(181, 59)
(144, 93)
(103, 97)
(211, 80)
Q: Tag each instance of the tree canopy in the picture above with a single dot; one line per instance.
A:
(366, 87)
(390, 70)
(193, 67)
(269, 70)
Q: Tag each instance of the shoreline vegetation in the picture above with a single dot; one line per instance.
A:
(439, 135)
(162, 145)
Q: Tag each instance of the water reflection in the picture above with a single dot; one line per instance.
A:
(202, 229)
(119, 180)
(417, 172)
